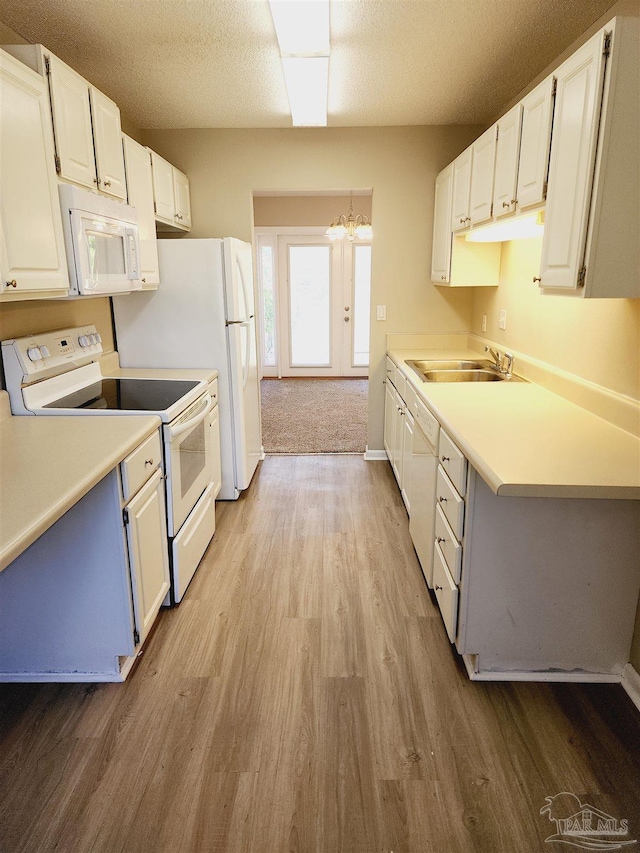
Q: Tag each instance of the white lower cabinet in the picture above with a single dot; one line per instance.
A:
(146, 525)
(79, 602)
(533, 588)
(398, 430)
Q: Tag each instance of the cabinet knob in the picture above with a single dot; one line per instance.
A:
(346, 319)
(536, 278)
(440, 539)
(97, 181)
(445, 459)
(468, 219)
(462, 221)
(12, 283)
(437, 587)
(143, 280)
(443, 277)
(106, 184)
(148, 461)
(506, 204)
(442, 500)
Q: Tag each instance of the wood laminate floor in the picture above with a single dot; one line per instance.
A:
(304, 698)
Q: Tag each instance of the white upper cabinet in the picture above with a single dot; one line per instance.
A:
(573, 150)
(483, 161)
(507, 156)
(32, 254)
(71, 110)
(182, 198)
(461, 191)
(140, 195)
(441, 251)
(86, 124)
(590, 243)
(107, 135)
(171, 195)
(537, 116)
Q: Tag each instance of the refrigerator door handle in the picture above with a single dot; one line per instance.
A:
(247, 357)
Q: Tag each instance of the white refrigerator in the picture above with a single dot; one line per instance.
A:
(202, 316)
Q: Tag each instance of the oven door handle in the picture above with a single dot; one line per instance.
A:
(174, 432)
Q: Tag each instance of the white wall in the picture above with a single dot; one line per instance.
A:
(399, 164)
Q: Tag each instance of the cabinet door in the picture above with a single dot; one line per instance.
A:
(483, 162)
(398, 436)
(107, 135)
(407, 455)
(389, 419)
(29, 204)
(140, 195)
(148, 552)
(72, 124)
(182, 199)
(537, 114)
(461, 188)
(214, 438)
(507, 154)
(442, 235)
(573, 149)
(162, 188)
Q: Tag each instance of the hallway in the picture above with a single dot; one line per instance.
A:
(304, 697)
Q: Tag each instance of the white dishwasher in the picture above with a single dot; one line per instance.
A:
(423, 487)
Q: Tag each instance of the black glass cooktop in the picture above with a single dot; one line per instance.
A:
(129, 395)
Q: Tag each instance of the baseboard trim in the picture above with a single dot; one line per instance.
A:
(375, 455)
(631, 684)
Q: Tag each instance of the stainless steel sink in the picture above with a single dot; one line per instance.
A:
(459, 370)
(463, 376)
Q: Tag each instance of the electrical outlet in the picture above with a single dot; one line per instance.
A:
(484, 322)
(502, 322)
(381, 312)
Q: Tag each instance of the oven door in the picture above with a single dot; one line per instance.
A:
(106, 255)
(189, 461)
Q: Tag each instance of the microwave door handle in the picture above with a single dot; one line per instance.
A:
(134, 270)
(174, 432)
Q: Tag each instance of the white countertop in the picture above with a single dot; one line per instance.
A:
(48, 464)
(527, 441)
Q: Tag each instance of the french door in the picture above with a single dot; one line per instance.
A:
(320, 292)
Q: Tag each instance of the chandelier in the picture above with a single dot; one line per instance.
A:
(350, 226)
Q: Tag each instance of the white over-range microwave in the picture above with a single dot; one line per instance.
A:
(102, 243)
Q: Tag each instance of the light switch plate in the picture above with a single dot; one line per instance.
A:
(381, 312)
(484, 322)
(502, 322)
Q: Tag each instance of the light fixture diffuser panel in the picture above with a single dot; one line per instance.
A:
(302, 26)
(307, 81)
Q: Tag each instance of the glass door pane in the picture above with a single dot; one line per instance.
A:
(265, 266)
(310, 305)
(361, 304)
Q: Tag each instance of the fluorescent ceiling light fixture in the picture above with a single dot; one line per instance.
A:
(302, 26)
(307, 80)
(522, 227)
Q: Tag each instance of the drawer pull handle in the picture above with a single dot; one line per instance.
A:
(438, 587)
(445, 459)
(148, 461)
(442, 500)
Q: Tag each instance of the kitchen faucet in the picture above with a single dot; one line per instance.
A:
(503, 361)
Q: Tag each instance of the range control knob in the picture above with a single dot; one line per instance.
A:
(84, 341)
(44, 352)
(34, 354)
(98, 338)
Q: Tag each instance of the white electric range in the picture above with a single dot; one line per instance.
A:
(58, 373)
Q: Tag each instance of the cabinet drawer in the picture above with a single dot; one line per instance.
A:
(140, 465)
(454, 462)
(450, 502)
(391, 371)
(446, 593)
(410, 397)
(427, 423)
(450, 547)
(213, 390)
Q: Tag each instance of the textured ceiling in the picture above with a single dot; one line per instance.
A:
(215, 63)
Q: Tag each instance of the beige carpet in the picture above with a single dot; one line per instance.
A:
(314, 415)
